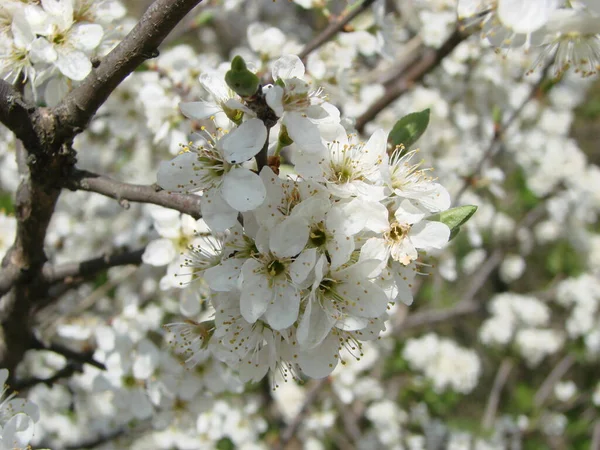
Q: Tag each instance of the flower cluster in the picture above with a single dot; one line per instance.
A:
(301, 266)
(40, 39)
(569, 32)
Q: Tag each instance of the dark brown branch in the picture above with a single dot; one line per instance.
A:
(70, 369)
(9, 276)
(79, 106)
(125, 192)
(430, 58)
(332, 29)
(15, 114)
(83, 358)
(90, 267)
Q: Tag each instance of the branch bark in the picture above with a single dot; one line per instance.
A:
(430, 58)
(90, 267)
(88, 181)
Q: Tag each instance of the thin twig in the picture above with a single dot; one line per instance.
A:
(88, 181)
(293, 426)
(67, 371)
(494, 398)
(90, 267)
(83, 358)
(553, 377)
(333, 28)
(430, 58)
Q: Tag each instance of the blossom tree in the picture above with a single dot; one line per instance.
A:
(220, 197)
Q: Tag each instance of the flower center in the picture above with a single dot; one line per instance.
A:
(317, 236)
(398, 232)
(275, 268)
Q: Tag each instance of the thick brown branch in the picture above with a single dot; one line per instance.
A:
(333, 29)
(90, 267)
(430, 58)
(79, 106)
(14, 114)
(124, 192)
(9, 276)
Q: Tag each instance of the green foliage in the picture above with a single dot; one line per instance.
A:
(6, 203)
(240, 79)
(409, 129)
(522, 399)
(455, 217)
(225, 444)
(563, 259)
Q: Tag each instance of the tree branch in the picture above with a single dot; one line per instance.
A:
(67, 371)
(14, 114)
(79, 106)
(553, 377)
(83, 358)
(332, 29)
(90, 267)
(125, 192)
(494, 398)
(430, 58)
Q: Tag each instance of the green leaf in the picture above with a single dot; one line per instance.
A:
(454, 218)
(409, 129)
(240, 79)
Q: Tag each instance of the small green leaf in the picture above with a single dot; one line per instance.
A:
(454, 218)
(240, 79)
(409, 129)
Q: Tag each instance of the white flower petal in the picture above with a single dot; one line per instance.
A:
(243, 190)
(17, 432)
(42, 51)
(244, 142)
(303, 132)
(288, 66)
(199, 110)
(217, 213)
(340, 248)
(301, 267)
(213, 82)
(289, 237)
(86, 36)
(159, 252)
(256, 293)
(283, 311)
(314, 326)
(525, 16)
(179, 174)
(320, 361)
(73, 64)
(224, 277)
(274, 98)
(428, 234)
